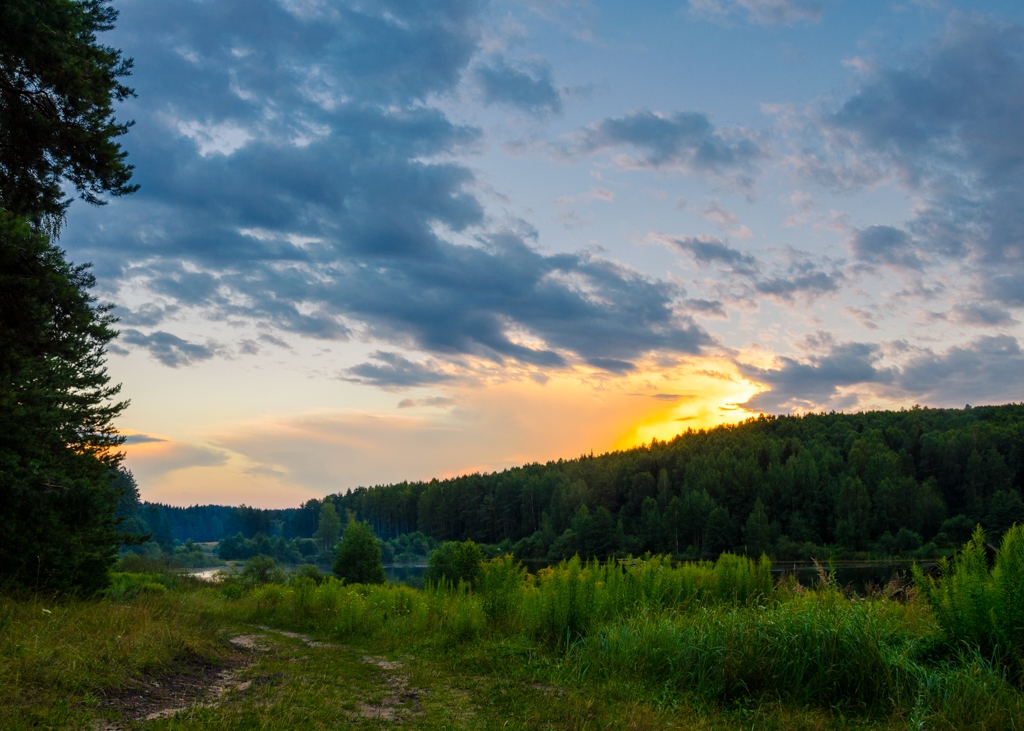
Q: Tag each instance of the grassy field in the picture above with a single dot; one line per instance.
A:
(649, 646)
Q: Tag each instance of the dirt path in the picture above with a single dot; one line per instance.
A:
(197, 684)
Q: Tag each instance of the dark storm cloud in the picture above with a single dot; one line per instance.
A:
(393, 371)
(292, 175)
(169, 349)
(529, 90)
(801, 385)
(685, 140)
(946, 127)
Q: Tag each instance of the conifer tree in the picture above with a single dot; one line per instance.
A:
(58, 446)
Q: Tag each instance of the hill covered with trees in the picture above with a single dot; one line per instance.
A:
(883, 482)
(877, 483)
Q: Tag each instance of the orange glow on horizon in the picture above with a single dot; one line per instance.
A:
(709, 397)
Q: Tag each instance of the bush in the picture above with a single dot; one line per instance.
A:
(453, 562)
(311, 572)
(980, 607)
(261, 570)
(358, 558)
(500, 584)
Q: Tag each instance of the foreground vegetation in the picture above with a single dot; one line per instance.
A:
(580, 645)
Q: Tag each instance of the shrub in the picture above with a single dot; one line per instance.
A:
(261, 570)
(453, 562)
(311, 572)
(358, 558)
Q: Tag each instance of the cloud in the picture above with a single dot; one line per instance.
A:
(142, 439)
(944, 127)
(976, 313)
(150, 459)
(684, 141)
(432, 401)
(884, 245)
(393, 372)
(712, 308)
(801, 279)
(712, 250)
(529, 90)
(334, 208)
(169, 349)
(989, 369)
(815, 383)
(760, 12)
(725, 219)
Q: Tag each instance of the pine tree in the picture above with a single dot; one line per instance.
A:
(58, 447)
(57, 444)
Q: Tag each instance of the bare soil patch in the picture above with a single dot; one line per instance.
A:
(400, 701)
(193, 683)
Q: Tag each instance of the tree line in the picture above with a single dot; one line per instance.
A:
(880, 483)
(884, 482)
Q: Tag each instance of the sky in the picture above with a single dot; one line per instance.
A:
(381, 241)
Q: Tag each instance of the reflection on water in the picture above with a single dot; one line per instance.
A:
(208, 574)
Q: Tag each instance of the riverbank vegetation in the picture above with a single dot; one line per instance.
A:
(583, 644)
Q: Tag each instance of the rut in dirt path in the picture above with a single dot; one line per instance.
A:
(400, 702)
(195, 684)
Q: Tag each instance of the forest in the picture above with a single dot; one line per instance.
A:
(913, 482)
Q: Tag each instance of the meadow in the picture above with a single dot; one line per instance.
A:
(642, 644)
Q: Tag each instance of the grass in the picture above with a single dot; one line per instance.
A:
(647, 645)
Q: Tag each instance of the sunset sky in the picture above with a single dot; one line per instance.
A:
(378, 241)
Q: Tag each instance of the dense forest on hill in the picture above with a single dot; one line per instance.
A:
(883, 483)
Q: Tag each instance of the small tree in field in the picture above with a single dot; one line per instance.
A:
(358, 558)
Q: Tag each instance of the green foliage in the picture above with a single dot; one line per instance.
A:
(757, 533)
(58, 529)
(309, 572)
(500, 584)
(238, 547)
(261, 570)
(328, 527)
(57, 90)
(358, 557)
(57, 444)
(979, 606)
(454, 562)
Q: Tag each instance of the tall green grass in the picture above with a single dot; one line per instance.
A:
(52, 653)
(981, 608)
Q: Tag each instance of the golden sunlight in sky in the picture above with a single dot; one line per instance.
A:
(283, 459)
